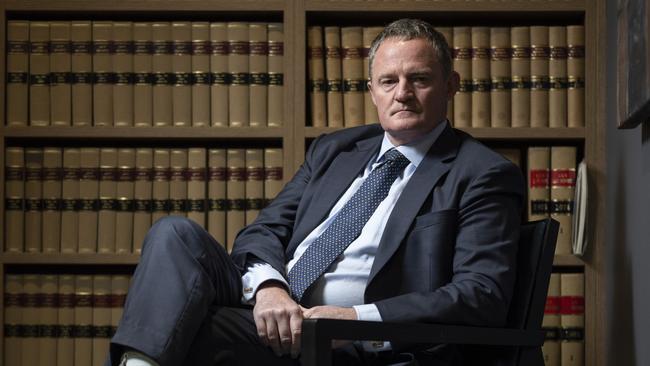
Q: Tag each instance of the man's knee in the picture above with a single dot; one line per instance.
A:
(170, 231)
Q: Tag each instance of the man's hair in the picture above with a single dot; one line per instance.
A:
(409, 29)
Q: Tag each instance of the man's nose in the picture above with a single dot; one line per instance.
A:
(404, 91)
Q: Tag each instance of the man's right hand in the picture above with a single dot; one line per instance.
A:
(278, 319)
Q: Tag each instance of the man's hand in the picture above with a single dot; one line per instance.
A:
(278, 319)
(331, 312)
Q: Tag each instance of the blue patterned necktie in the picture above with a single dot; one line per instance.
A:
(347, 224)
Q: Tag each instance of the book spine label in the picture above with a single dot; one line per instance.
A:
(481, 77)
(200, 74)
(259, 76)
(60, 74)
(142, 74)
(238, 67)
(81, 62)
(17, 49)
(275, 100)
(217, 204)
(333, 77)
(182, 69)
(558, 83)
(462, 58)
(103, 73)
(540, 83)
(501, 84)
(122, 59)
(219, 75)
(576, 76)
(572, 318)
(520, 76)
(538, 182)
(39, 74)
(563, 176)
(162, 75)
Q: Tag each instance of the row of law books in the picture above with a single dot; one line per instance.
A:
(122, 73)
(61, 319)
(103, 200)
(531, 76)
(564, 320)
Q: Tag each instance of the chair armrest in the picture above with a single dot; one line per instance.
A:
(317, 335)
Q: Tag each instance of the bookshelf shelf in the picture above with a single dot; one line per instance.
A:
(147, 5)
(568, 260)
(445, 5)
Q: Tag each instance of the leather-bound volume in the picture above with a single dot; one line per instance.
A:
(178, 182)
(14, 199)
(235, 193)
(196, 185)
(142, 74)
(572, 318)
(119, 289)
(539, 76)
(124, 204)
(370, 111)
(514, 155)
(333, 76)
(123, 98)
(143, 186)
(48, 319)
(200, 74)
(69, 198)
(101, 324)
(219, 75)
(52, 179)
(481, 77)
(162, 75)
(217, 204)
(576, 76)
(254, 183)
(182, 77)
(558, 83)
(500, 55)
(563, 183)
(17, 78)
(160, 185)
(39, 74)
(103, 74)
(81, 61)
(520, 76)
(83, 320)
(352, 69)
(273, 173)
(88, 204)
(65, 320)
(275, 100)
(258, 74)
(31, 301)
(462, 58)
(60, 74)
(539, 163)
(447, 32)
(107, 215)
(13, 319)
(238, 93)
(316, 71)
(33, 199)
(551, 323)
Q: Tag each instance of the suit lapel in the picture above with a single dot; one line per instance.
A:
(435, 164)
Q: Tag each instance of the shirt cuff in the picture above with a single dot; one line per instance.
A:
(257, 273)
(369, 312)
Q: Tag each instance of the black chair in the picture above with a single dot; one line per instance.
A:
(519, 343)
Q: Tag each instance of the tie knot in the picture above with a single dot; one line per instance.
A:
(396, 158)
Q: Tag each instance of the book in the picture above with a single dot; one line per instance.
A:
(551, 323)
(39, 73)
(580, 212)
(500, 55)
(13, 319)
(178, 182)
(557, 70)
(14, 199)
(33, 199)
(316, 71)
(239, 90)
(162, 74)
(539, 163)
(122, 59)
(124, 219)
(196, 185)
(520, 76)
(142, 191)
(352, 70)
(576, 76)
(217, 204)
(480, 76)
(462, 60)
(60, 74)
(572, 318)
(17, 73)
(254, 183)
(182, 69)
(258, 73)
(563, 179)
(142, 74)
(200, 74)
(219, 75)
(333, 75)
(235, 194)
(48, 319)
(101, 318)
(273, 173)
(160, 185)
(83, 320)
(31, 301)
(107, 215)
(52, 180)
(447, 33)
(539, 77)
(103, 77)
(119, 289)
(69, 200)
(66, 304)
(88, 204)
(370, 111)
(81, 62)
(275, 100)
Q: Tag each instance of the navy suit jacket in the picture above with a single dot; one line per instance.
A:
(448, 253)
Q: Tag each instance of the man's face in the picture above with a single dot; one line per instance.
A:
(409, 89)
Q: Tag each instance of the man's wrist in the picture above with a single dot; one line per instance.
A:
(271, 286)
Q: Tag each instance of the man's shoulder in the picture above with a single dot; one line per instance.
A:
(475, 156)
(348, 138)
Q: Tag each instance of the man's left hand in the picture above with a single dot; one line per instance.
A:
(331, 312)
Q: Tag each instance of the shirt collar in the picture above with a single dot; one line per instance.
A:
(416, 150)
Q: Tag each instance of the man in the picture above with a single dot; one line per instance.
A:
(437, 243)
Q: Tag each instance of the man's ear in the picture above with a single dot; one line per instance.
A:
(372, 94)
(453, 84)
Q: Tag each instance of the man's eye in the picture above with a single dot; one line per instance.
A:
(387, 82)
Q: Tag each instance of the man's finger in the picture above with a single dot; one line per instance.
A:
(260, 324)
(284, 332)
(296, 332)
